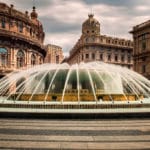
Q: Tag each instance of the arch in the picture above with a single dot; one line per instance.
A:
(40, 60)
(20, 59)
(3, 56)
(33, 60)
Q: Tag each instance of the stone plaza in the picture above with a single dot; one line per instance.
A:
(39, 134)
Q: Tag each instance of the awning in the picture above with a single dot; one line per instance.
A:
(3, 50)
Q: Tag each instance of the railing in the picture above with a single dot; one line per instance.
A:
(75, 106)
(10, 69)
(142, 24)
(5, 68)
(26, 38)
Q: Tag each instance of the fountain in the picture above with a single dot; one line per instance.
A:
(94, 82)
(83, 90)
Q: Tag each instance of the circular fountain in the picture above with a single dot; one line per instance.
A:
(94, 84)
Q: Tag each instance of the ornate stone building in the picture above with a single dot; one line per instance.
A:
(54, 54)
(92, 46)
(141, 36)
(21, 39)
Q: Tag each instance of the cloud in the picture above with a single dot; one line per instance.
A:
(62, 19)
(142, 8)
(68, 12)
(64, 40)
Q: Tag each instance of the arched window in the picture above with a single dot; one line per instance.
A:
(3, 56)
(57, 59)
(3, 23)
(33, 60)
(20, 27)
(40, 60)
(20, 59)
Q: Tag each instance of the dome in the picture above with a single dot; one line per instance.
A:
(33, 14)
(91, 26)
(90, 82)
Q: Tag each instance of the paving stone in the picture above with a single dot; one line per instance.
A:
(74, 134)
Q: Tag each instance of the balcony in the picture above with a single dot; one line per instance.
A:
(21, 37)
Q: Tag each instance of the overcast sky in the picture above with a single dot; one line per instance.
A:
(62, 19)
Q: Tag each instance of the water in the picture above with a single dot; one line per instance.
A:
(87, 82)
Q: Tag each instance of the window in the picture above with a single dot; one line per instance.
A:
(109, 57)
(93, 56)
(86, 39)
(144, 59)
(108, 41)
(33, 60)
(93, 47)
(129, 67)
(20, 59)
(143, 69)
(49, 58)
(129, 59)
(57, 59)
(40, 60)
(11, 22)
(3, 56)
(3, 23)
(20, 27)
(122, 58)
(82, 57)
(143, 45)
(116, 58)
(101, 56)
(87, 56)
(143, 36)
(129, 52)
(122, 51)
(30, 31)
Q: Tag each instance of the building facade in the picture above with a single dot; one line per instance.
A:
(141, 36)
(21, 39)
(54, 54)
(92, 46)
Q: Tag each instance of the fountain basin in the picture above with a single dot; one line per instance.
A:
(72, 98)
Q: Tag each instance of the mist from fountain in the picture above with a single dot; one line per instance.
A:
(74, 82)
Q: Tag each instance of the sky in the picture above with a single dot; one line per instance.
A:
(62, 19)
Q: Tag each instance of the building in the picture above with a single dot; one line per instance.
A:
(54, 54)
(92, 46)
(21, 39)
(141, 36)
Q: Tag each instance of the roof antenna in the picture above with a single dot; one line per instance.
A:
(91, 14)
(91, 10)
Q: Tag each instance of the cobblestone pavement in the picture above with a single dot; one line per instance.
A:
(74, 134)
